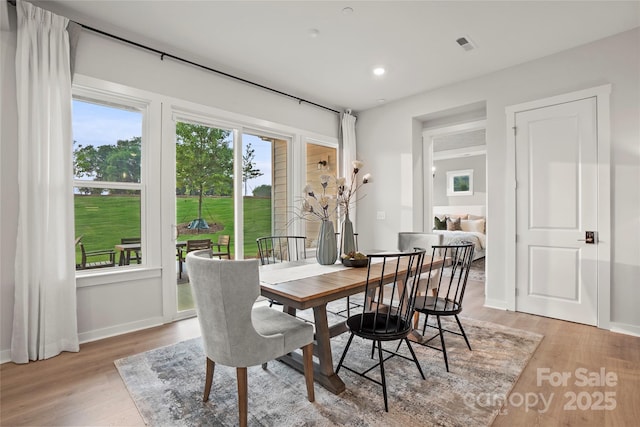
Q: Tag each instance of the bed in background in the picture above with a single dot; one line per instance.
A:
(462, 223)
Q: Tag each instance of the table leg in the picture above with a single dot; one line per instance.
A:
(323, 372)
(289, 310)
(323, 341)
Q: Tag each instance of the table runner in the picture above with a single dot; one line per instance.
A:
(287, 272)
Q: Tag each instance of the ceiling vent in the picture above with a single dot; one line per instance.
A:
(466, 43)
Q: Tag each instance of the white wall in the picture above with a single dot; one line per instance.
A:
(387, 137)
(477, 164)
(114, 308)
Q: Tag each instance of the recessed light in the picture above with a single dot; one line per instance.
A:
(347, 10)
(314, 32)
(378, 71)
(381, 100)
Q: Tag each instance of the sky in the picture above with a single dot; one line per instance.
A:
(96, 125)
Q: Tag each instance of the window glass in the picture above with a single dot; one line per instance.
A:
(264, 176)
(204, 195)
(321, 160)
(107, 184)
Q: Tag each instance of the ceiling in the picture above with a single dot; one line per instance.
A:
(324, 53)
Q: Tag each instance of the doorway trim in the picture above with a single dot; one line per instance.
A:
(602, 95)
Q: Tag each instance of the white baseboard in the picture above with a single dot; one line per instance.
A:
(495, 303)
(624, 328)
(99, 334)
(112, 331)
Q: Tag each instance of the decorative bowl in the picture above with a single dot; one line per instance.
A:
(357, 263)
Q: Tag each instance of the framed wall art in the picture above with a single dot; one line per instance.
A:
(460, 183)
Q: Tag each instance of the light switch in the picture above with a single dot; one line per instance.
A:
(381, 215)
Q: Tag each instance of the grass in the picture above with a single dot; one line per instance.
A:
(104, 220)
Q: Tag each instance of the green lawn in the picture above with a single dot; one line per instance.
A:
(104, 220)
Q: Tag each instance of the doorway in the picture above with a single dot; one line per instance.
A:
(204, 203)
(453, 154)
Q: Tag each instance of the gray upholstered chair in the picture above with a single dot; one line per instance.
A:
(235, 333)
(409, 240)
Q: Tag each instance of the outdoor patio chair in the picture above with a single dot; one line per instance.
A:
(192, 245)
(85, 264)
(223, 246)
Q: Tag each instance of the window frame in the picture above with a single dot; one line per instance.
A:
(111, 95)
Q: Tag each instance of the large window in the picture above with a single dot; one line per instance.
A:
(108, 183)
(265, 190)
(207, 193)
(152, 173)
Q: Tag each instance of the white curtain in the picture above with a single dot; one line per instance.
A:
(44, 317)
(348, 131)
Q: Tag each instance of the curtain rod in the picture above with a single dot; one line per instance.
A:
(195, 64)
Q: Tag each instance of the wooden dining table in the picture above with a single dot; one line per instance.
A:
(304, 285)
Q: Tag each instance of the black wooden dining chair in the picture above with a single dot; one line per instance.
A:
(275, 249)
(351, 303)
(387, 314)
(447, 295)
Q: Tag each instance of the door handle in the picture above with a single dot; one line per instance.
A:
(589, 237)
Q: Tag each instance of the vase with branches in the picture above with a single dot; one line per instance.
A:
(320, 207)
(346, 196)
(323, 206)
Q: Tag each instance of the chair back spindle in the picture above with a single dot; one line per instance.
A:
(275, 249)
(447, 295)
(390, 292)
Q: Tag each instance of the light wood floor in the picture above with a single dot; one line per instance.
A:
(85, 389)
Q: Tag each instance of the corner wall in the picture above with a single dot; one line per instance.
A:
(386, 135)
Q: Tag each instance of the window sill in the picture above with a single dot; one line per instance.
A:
(107, 276)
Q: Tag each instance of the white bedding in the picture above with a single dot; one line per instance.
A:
(478, 239)
(473, 231)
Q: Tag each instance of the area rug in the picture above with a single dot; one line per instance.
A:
(166, 385)
(476, 272)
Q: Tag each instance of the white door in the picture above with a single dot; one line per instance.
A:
(556, 205)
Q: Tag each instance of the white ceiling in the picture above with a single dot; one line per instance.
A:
(270, 42)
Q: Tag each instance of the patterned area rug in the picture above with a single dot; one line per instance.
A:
(476, 272)
(167, 384)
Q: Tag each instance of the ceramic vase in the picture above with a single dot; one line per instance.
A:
(347, 240)
(327, 250)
